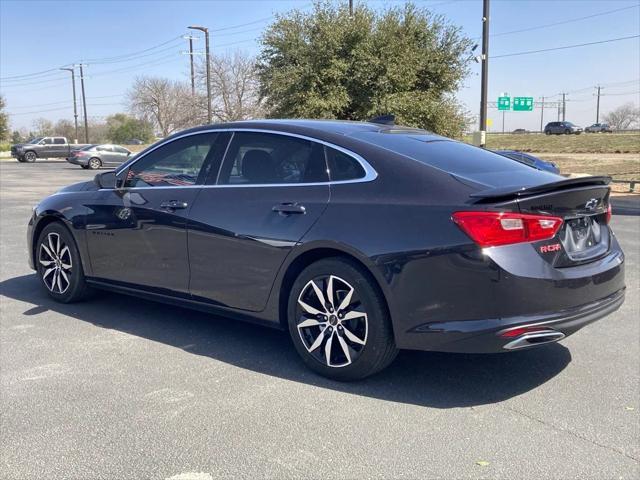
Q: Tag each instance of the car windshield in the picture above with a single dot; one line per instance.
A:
(34, 141)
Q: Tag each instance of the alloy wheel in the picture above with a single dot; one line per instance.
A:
(332, 322)
(55, 258)
(94, 164)
(30, 157)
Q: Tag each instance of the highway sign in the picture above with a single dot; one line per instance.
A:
(504, 103)
(523, 104)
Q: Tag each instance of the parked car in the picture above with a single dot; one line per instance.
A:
(358, 238)
(520, 131)
(530, 160)
(559, 128)
(96, 156)
(134, 141)
(598, 127)
(43, 147)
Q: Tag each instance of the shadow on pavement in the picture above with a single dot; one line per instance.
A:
(430, 379)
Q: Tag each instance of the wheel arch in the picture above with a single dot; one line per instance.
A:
(48, 219)
(315, 252)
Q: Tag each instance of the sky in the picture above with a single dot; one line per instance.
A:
(119, 40)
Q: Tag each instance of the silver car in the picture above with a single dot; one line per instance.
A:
(598, 127)
(96, 156)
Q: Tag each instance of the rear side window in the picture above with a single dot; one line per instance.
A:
(59, 141)
(458, 158)
(271, 159)
(342, 166)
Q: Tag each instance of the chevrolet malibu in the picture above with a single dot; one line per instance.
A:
(360, 239)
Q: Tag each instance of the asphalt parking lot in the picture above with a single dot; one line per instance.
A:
(124, 388)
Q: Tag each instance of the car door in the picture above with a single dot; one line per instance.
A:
(120, 155)
(271, 189)
(60, 147)
(136, 232)
(47, 150)
(108, 155)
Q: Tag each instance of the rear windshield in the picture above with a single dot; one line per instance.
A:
(460, 159)
(88, 147)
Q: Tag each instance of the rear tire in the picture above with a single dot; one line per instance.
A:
(30, 157)
(349, 336)
(59, 266)
(547, 132)
(94, 163)
(567, 132)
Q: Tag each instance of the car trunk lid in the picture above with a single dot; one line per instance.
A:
(582, 203)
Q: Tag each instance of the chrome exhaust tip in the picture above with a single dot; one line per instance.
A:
(534, 338)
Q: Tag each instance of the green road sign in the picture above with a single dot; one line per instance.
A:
(523, 104)
(504, 103)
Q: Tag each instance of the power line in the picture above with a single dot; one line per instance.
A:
(564, 22)
(109, 59)
(528, 52)
(61, 108)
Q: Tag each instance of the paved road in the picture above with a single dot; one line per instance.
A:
(125, 388)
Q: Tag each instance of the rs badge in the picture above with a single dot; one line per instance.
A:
(554, 247)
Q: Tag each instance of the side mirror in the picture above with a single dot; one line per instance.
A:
(105, 180)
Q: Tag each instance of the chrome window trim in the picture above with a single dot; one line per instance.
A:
(369, 176)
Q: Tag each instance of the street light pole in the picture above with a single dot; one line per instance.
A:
(84, 104)
(598, 105)
(485, 72)
(542, 115)
(75, 107)
(208, 60)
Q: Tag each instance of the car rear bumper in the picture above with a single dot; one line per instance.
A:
(485, 336)
(463, 302)
(78, 161)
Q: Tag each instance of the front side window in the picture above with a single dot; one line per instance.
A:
(271, 159)
(177, 163)
(48, 141)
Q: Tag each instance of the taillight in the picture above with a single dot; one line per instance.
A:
(609, 213)
(490, 229)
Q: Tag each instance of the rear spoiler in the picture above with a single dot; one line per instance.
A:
(515, 191)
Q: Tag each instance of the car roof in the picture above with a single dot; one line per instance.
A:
(340, 127)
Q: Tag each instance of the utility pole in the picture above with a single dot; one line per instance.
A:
(208, 60)
(542, 116)
(484, 73)
(84, 104)
(598, 105)
(75, 107)
(351, 8)
(191, 38)
(564, 106)
(503, 112)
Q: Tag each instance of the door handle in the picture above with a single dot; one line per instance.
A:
(289, 208)
(173, 204)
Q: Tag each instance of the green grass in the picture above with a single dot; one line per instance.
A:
(584, 143)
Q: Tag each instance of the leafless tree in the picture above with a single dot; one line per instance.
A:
(166, 103)
(623, 117)
(234, 87)
(43, 127)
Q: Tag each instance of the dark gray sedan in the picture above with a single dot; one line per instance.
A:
(95, 156)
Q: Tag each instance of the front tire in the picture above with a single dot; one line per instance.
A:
(30, 157)
(339, 321)
(547, 132)
(94, 163)
(59, 266)
(85, 167)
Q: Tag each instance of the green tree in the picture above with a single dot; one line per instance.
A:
(122, 128)
(327, 64)
(4, 121)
